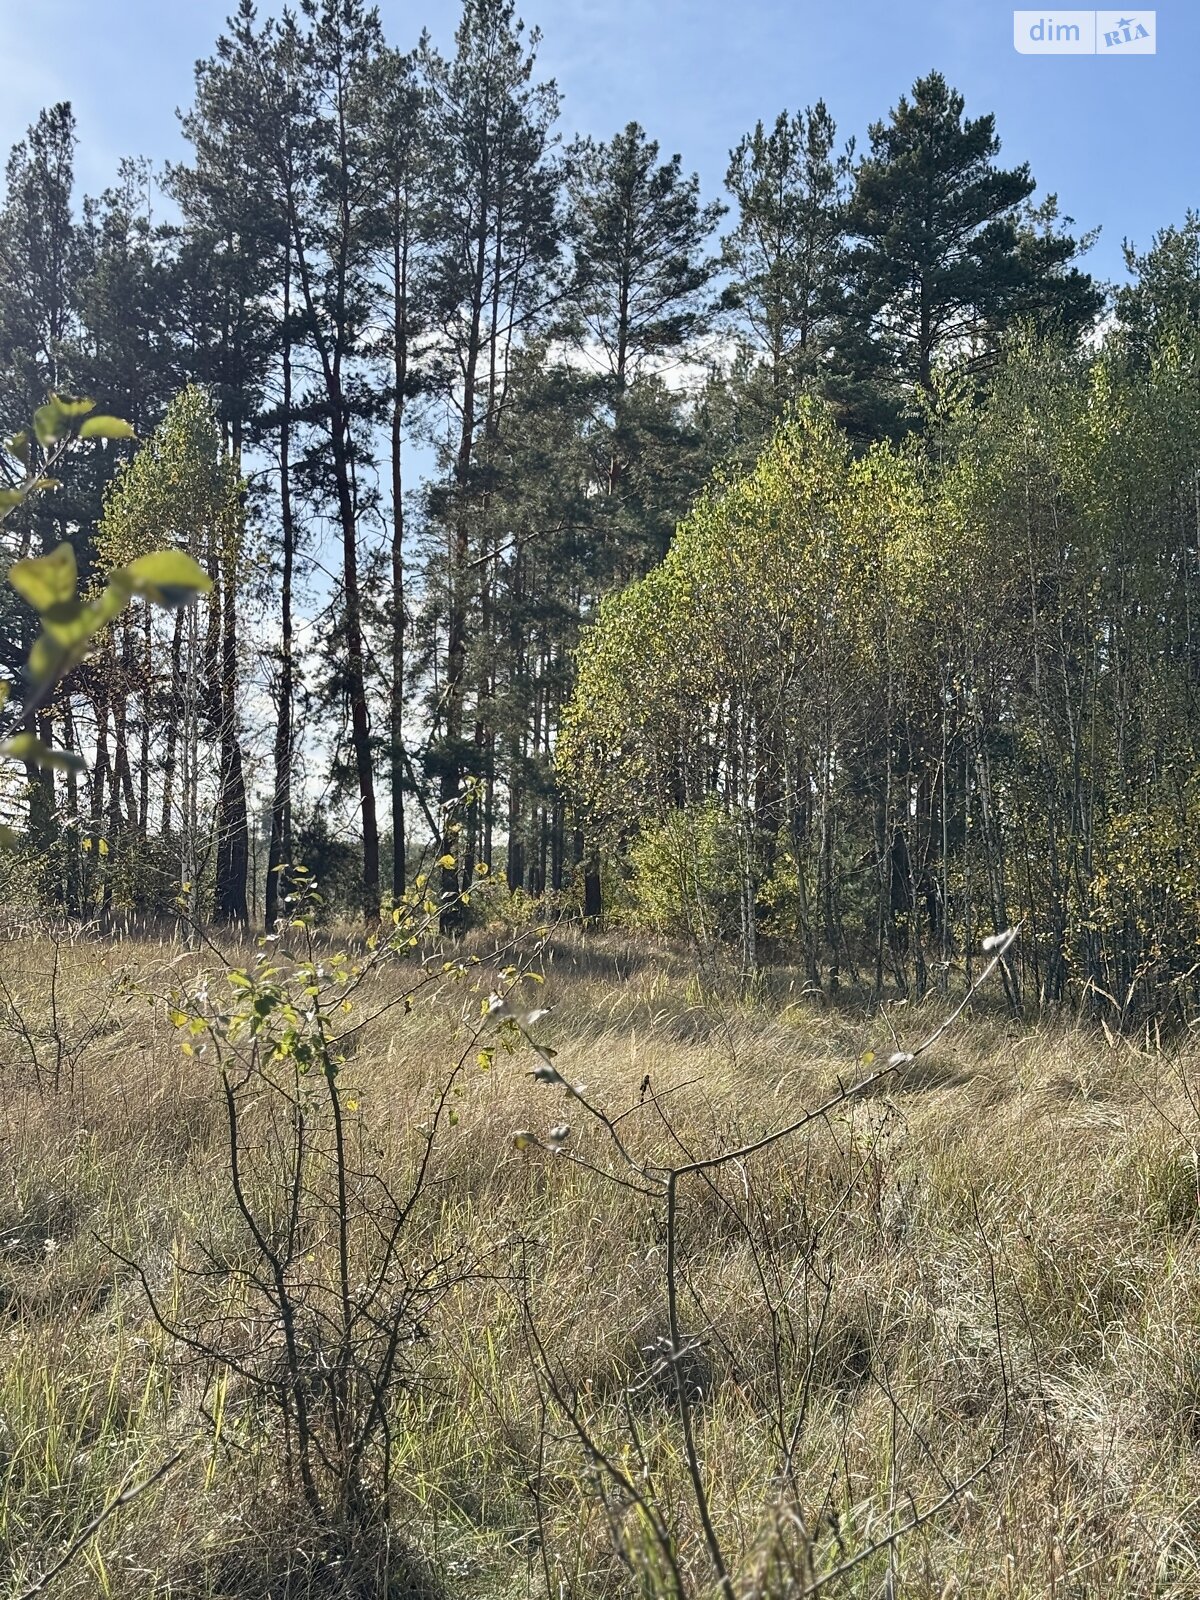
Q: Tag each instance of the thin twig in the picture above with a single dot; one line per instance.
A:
(902, 1058)
(889, 1540)
(124, 1495)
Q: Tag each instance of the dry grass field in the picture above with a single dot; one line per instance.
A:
(944, 1340)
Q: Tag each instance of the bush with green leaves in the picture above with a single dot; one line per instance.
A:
(686, 878)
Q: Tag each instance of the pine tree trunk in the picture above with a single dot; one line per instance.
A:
(233, 840)
(458, 553)
(396, 764)
(147, 715)
(279, 851)
(72, 873)
(340, 450)
(233, 843)
(174, 715)
(356, 685)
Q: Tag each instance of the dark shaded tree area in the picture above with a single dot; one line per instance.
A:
(468, 378)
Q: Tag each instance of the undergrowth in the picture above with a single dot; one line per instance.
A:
(944, 1338)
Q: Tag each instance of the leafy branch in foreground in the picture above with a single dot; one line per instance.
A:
(50, 583)
(331, 1293)
(57, 426)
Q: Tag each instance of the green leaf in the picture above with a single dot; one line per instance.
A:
(58, 416)
(18, 446)
(167, 577)
(46, 581)
(28, 747)
(71, 622)
(109, 604)
(48, 660)
(13, 497)
(73, 406)
(49, 423)
(106, 428)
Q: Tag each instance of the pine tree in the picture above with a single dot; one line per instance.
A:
(404, 157)
(282, 123)
(39, 258)
(946, 260)
(1164, 295)
(290, 101)
(641, 303)
(785, 255)
(641, 299)
(129, 361)
(39, 351)
(493, 281)
(226, 266)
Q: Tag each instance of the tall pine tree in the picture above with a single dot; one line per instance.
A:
(785, 256)
(945, 261)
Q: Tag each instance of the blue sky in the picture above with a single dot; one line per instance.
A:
(1119, 140)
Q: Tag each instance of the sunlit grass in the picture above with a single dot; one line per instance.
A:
(993, 1263)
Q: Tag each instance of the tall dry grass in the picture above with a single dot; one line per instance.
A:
(965, 1304)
